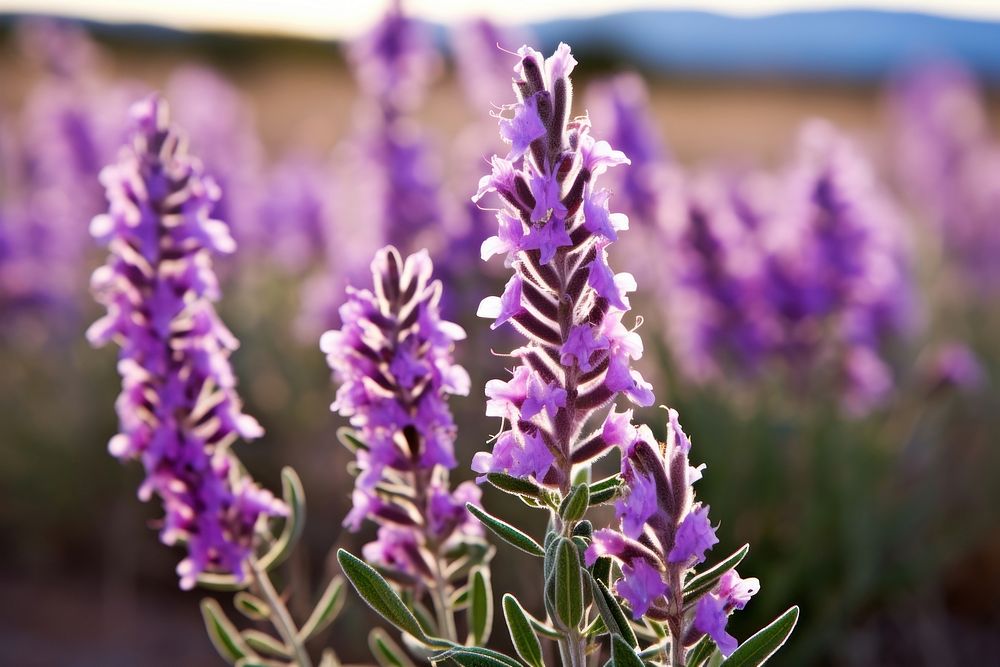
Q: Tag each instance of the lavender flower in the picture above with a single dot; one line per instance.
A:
(803, 271)
(52, 159)
(950, 164)
(394, 63)
(393, 360)
(179, 409)
(555, 227)
(620, 107)
(220, 122)
(663, 534)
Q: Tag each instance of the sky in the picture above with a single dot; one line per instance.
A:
(347, 18)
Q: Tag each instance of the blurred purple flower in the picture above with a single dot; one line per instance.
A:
(620, 108)
(179, 410)
(950, 164)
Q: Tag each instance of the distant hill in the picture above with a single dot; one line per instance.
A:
(835, 44)
(848, 44)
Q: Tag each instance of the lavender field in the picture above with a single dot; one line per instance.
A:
(431, 332)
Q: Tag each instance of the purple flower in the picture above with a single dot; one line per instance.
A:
(736, 592)
(641, 584)
(523, 128)
(954, 365)
(179, 410)
(620, 107)
(694, 537)
(393, 359)
(710, 618)
(663, 531)
(506, 306)
(949, 162)
(803, 271)
(569, 304)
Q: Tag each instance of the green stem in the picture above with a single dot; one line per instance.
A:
(281, 618)
(445, 619)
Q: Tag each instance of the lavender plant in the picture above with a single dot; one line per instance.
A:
(554, 229)
(179, 410)
(393, 360)
(802, 274)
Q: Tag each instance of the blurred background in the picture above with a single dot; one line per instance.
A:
(814, 200)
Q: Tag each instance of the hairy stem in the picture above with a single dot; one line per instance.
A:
(281, 618)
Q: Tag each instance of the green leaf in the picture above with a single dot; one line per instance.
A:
(225, 583)
(295, 498)
(575, 504)
(700, 652)
(329, 605)
(349, 439)
(252, 662)
(459, 598)
(614, 617)
(568, 584)
(377, 592)
(756, 650)
(604, 490)
(265, 643)
(515, 485)
(480, 606)
(622, 654)
(474, 656)
(700, 584)
(602, 570)
(507, 532)
(387, 652)
(251, 606)
(224, 635)
(581, 475)
(521, 633)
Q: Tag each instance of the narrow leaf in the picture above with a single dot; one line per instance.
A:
(387, 652)
(569, 584)
(521, 633)
(474, 656)
(622, 654)
(515, 485)
(612, 613)
(575, 504)
(700, 652)
(329, 605)
(756, 650)
(701, 583)
(295, 498)
(265, 643)
(251, 606)
(377, 592)
(348, 437)
(480, 606)
(225, 583)
(507, 532)
(224, 635)
(604, 490)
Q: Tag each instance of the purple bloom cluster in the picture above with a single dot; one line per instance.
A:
(393, 64)
(806, 268)
(393, 360)
(50, 164)
(554, 230)
(217, 117)
(620, 107)
(663, 534)
(179, 410)
(950, 164)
